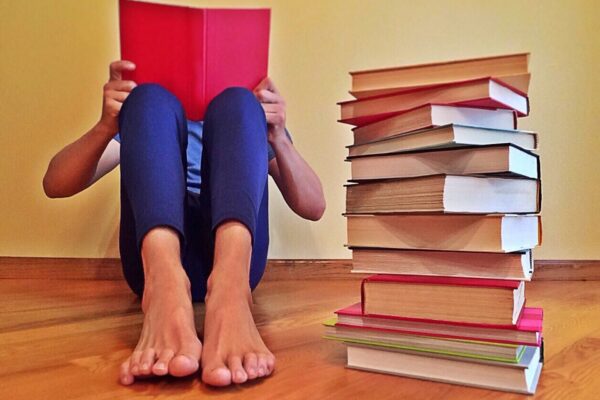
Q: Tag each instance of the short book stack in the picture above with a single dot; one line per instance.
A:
(443, 209)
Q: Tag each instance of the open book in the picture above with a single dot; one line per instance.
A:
(194, 52)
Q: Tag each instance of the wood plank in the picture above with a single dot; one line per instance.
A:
(567, 270)
(60, 268)
(277, 269)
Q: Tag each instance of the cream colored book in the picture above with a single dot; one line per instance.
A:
(502, 159)
(513, 69)
(520, 378)
(447, 136)
(445, 193)
(451, 232)
(512, 266)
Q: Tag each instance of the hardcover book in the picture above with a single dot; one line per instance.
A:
(445, 193)
(491, 301)
(502, 160)
(527, 330)
(512, 69)
(194, 52)
(445, 136)
(520, 378)
(450, 232)
(485, 92)
(511, 266)
(432, 115)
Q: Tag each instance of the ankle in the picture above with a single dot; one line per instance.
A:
(229, 285)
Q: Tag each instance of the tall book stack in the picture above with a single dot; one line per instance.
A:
(442, 208)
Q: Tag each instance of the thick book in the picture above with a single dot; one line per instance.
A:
(490, 301)
(510, 353)
(445, 136)
(527, 330)
(451, 232)
(485, 92)
(502, 160)
(512, 69)
(519, 378)
(432, 115)
(194, 52)
(512, 266)
(445, 193)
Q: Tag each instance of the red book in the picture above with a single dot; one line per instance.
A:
(194, 52)
(472, 300)
(486, 93)
(526, 331)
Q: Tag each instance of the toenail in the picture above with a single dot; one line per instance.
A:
(160, 366)
(240, 375)
(145, 367)
(261, 371)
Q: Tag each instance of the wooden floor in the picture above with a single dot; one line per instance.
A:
(65, 339)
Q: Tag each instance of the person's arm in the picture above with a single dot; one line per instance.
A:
(298, 183)
(81, 163)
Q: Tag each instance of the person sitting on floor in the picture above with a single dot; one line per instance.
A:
(194, 217)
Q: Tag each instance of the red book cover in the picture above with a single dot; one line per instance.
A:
(439, 280)
(530, 319)
(443, 280)
(435, 94)
(194, 52)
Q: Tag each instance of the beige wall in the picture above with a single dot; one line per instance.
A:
(54, 57)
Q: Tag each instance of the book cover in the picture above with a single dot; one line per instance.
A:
(530, 319)
(194, 52)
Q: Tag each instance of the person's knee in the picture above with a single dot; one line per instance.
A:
(150, 97)
(148, 101)
(232, 101)
(151, 93)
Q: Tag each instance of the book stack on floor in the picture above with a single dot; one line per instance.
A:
(442, 207)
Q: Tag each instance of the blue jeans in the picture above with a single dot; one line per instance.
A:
(153, 179)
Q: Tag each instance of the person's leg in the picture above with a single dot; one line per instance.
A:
(234, 179)
(153, 162)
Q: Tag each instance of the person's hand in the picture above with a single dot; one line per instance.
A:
(274, 105)
(115, 93)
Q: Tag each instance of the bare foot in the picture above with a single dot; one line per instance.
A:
(233, 350)
(168, 343)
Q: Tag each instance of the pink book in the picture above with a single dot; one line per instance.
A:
(526, 331)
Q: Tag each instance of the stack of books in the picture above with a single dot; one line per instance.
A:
(443, 209)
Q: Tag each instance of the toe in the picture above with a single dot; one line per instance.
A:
(183, 365)
(262, 365)
(125, 375)
(270, 363)
(161, 367)
(134, 363)
(186, 361)
(251, 365)
(238, 374)
(218, 375)
(147, 361)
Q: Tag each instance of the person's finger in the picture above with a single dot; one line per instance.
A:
(114, 105)
(271, 107)
(117, 95)
(122, 86)
(116, 68)
(266, 84)
(266, 96)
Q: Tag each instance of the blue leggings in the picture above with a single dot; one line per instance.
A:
(153, 179)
